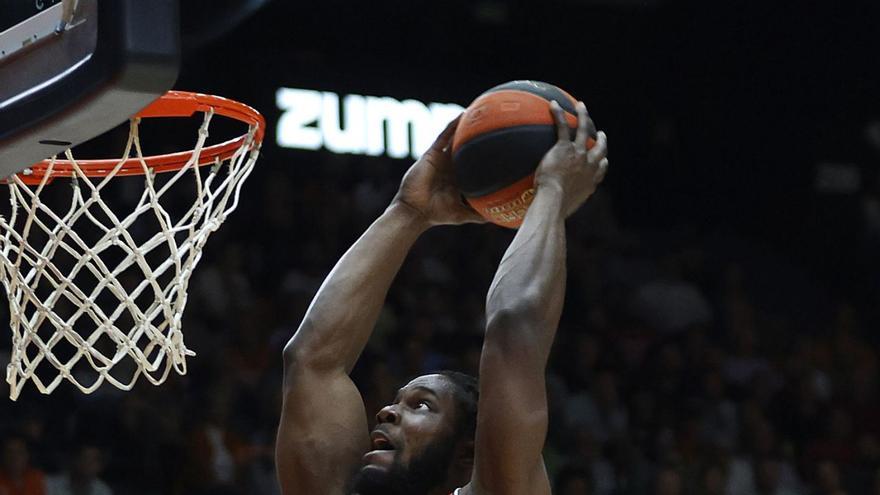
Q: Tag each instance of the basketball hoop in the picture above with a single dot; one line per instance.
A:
(93, 286)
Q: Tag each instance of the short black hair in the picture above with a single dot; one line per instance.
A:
(467, 396)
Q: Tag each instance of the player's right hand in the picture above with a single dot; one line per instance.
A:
(429, 186)
(569, 165)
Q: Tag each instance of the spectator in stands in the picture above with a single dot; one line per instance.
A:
(82, 475)
(573, 481)
(828, 479)
(712, 480)
(668, 482)
(17, 476)
(215, 452)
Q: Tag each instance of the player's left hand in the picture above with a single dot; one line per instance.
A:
(429, 186)
(576, 170)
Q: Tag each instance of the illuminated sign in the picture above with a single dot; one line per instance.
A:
(363, 125)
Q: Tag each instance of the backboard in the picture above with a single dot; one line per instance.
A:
(73, 69)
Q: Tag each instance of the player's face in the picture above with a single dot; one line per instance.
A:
(414, 441)
(422, 413)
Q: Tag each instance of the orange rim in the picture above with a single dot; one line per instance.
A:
(171, 104)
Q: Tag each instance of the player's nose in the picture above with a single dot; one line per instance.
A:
(388, 414)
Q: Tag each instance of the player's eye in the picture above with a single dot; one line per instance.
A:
(424, 404)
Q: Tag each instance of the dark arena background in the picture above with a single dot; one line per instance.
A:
(720, 328)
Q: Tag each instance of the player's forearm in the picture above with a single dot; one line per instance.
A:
(529, 286)
(342, 315)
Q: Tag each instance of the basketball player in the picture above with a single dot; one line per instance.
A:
(433, 439)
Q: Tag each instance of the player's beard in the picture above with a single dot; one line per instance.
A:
(424, 473)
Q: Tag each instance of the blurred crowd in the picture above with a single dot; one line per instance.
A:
(685, 363)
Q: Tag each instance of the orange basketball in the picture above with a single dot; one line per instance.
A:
(499, 143)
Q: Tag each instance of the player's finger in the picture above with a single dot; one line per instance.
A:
(445, 138)
(600, 149)
(562, 132)
(580, 139)
(603, 169)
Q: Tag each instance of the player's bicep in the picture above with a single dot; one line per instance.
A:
(511, 419)
(323, 432)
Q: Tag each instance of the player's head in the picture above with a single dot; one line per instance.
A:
(424, 439)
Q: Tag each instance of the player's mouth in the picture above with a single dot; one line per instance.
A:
(383, 450)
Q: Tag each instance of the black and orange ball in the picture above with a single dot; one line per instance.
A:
(499, 143)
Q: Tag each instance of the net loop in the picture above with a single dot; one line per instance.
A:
(96, 291)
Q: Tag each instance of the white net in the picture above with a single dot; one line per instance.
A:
(97, 281)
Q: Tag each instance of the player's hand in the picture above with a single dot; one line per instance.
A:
(429, 186)
(569, 164)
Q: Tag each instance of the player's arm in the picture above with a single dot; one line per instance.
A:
(323, 431)
(523, 309)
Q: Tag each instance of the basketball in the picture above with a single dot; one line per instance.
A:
(499, 143)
